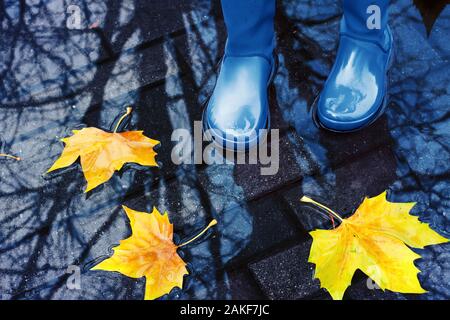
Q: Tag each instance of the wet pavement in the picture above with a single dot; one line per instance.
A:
(160, 57)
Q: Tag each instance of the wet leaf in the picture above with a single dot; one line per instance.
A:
(101, 153)
(376, 240)
(150, 252)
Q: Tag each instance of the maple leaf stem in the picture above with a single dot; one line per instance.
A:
(309, 200)
(212, 223)
(129, 109)
(10, 156)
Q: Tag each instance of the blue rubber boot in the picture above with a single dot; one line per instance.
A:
(354, 94)
(238, 107)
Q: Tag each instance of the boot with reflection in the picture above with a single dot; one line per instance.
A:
(354, 94)
(238, 108)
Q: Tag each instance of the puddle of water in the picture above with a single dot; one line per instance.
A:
(47, 225)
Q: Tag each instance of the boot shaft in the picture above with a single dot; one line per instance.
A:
(366, 19)
(250, 27)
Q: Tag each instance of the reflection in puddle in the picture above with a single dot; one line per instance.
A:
(54, 80)
(207, 259)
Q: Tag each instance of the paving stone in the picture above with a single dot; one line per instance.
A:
(148, 22)
(344, 188)
(243, 285)
(367, 290)
(309, 217)
(128, 71)
(108, 286)
(255, 184)
(271, 229)
(276, 118)
(287, 275)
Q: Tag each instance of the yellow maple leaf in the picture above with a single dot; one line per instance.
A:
(150, 252)
(102, 153)
(376, 240)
